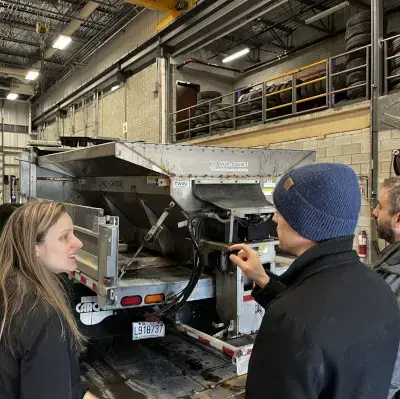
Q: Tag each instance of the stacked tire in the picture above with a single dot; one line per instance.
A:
(205, 102)
(249, 108)
(395, 62)
(221, 117)
(358, 34)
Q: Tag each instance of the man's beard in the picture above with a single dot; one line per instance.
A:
(385, 232)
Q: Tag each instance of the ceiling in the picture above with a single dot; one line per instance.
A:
(89, 23)
(273, 32)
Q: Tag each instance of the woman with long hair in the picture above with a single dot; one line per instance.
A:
(39, 339)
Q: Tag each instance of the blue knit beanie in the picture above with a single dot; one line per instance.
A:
(319, 201)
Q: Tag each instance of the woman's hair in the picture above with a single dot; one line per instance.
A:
(23, 277)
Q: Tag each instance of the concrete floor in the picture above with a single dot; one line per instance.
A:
(172, 367)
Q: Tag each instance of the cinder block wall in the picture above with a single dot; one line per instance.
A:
(143, 106)
(136, 102)
(16, 129)
(351, 148)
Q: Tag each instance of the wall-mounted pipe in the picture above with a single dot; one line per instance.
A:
(196, 61)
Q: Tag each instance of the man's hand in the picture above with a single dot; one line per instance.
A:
(89, 395)
(248, 260)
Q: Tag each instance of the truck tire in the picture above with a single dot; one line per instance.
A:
(396, 61)
(246, 107)
(357, 92)
(286, 96)
(355, 30)
(358, 41)
(359, 18)
(396, 86)
(244, 98)
(219, 113)
(255, 95)
(356, 62)
(202, 120)
(394, 81)
(208, 95)
(396, 45)
(222, 124)
(354, 77)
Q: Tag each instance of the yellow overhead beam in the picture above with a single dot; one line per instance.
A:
(169, 7)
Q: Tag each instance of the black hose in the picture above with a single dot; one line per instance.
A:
(178, 300)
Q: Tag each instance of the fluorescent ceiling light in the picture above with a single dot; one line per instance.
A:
(62, 42)
(114, 87)
(239, 54)
(12, 96)
(31, 75)
(327, 12)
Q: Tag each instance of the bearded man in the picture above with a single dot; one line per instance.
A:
(387, 215)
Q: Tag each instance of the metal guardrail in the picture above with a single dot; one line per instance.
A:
(291, 93)
(387, 63)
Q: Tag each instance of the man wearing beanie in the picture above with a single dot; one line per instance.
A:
(331, 327)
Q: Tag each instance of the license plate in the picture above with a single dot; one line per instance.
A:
(144, 330)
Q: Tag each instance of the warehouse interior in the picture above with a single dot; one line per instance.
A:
(318, 75)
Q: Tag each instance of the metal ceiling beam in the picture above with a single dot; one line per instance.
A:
(20, 41)
(29, 57)
(28, 8)
(361, 4)
(32, 28)
(273, 26)
(240, 19)
(311, 3)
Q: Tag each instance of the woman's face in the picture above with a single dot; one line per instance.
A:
(59, 247)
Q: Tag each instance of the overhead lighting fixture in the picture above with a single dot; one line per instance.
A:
(327, 12)
(12, 96)
(234, 56)
(62, 42)
(114, 87)
(32, 75)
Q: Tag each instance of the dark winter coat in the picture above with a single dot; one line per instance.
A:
(44, 365)
(331, 330)
(388, 266)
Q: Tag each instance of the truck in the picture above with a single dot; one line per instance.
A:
(156, 222)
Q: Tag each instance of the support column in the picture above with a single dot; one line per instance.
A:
(376, 81)
(165, 100)
(376, 90)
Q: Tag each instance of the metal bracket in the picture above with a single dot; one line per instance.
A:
(151, 235)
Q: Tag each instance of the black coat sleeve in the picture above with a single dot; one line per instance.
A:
(49, 367)
(286, 363)
(265, 295)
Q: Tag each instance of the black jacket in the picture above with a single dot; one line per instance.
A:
(388, 266)
(331, 330)
(44, 365)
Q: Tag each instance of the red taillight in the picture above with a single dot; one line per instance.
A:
(131, 300)
(203, 340)
(94, 287)
(228, 351)
(106, 281)
(83, 280)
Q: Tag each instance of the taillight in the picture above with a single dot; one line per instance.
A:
(83, 280)
(131, 300)
(157, 298)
